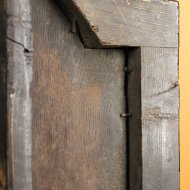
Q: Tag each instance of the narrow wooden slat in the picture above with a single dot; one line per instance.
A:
(153, 96)
(3, 97)
(19, 50)
(79, 138)
(112, 23)
(134, 122)
(160, 118)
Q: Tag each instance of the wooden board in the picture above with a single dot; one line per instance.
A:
(111, 23)
(3, 97)
(154, 103)
(79, 139)
(19, 78)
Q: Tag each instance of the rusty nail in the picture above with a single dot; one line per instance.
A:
(127, 70)
(95, 28)
(74, 26)
(125, 114)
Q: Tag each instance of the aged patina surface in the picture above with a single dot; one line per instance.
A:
(65, 101)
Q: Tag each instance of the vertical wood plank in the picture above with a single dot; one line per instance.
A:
(19, 48)
(79, 139)
(134, 122)
(3, 97)
(160, 113)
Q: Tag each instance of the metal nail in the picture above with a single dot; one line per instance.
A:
(127, 70)
(125, 114)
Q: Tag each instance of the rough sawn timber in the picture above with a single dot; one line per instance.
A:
(79, 138)
(113, 23)
(19, 78)
(153, 100)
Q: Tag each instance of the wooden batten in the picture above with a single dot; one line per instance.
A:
(19, 78)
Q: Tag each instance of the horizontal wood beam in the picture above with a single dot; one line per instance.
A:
(113, 23)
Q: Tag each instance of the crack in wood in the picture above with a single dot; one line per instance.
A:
(26, 50)
(174, 86)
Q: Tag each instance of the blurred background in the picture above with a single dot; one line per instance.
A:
(184, 73)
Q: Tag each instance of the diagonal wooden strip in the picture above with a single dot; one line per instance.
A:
(160, 118)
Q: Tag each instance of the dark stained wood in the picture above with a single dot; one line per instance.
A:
(153, 99)
(19, 77)
(79, 139)
(134, 123)
(3, 97)
(111, 23)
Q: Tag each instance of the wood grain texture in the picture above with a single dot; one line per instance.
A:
(111, 23)
(79, 139)
(160, 118)
(155, 129)
(3, 98)
(19, 50)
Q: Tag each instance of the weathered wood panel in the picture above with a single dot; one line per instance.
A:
(155, 129)
(79, 139)
(160, 115)
(125, 22)
(3, 97)
(19, 50)
(74, 106)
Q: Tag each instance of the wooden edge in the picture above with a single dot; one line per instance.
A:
(3, 98)
(101, 28)
(19, 78)
(134, 125)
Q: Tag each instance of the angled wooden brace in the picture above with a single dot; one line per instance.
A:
(153, 93)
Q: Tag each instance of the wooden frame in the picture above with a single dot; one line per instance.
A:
(150, 30)
(152, 93)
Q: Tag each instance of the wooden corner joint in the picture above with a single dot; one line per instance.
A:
(116, 23)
